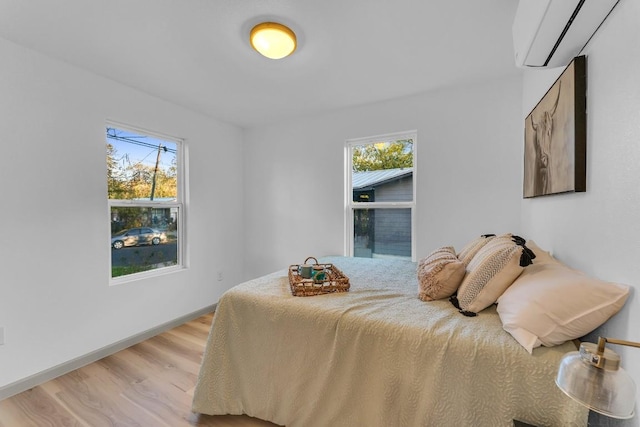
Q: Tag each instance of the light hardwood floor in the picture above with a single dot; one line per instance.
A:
(149, 385)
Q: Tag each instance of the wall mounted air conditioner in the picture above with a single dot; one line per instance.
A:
(549, 33)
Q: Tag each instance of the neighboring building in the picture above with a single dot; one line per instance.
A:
(383, 231)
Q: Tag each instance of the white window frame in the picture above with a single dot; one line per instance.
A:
(178, 204)
(351, 206)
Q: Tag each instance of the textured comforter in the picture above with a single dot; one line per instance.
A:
(374, 356)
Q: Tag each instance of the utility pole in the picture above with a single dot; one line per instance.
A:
(155, 171)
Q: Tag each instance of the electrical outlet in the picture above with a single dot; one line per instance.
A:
(220, 277)
(1, 335)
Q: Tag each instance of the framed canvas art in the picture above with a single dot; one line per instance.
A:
(555, 136)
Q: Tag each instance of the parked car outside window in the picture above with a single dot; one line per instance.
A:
(137, 236)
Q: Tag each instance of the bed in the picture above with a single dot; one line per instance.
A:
(374, 356)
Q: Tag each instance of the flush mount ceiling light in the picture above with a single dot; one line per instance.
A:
(273, 40)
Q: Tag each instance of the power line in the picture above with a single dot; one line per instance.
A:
(136, 142)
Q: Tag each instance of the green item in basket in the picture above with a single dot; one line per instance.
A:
(318, 276)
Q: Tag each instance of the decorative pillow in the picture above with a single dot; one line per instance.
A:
(470, 249)
(439, 274)
(492, 270)
(551, 303)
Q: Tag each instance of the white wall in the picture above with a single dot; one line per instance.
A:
(598, 231)
(468, 172)
(55, 300)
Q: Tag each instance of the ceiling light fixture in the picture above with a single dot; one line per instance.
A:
(273, 40)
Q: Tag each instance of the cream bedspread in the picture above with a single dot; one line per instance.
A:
(374, 356)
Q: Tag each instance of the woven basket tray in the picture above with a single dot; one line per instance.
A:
(334, 280)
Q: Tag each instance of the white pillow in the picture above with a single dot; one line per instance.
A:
(550, 303)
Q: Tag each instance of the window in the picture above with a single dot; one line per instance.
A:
(381, 192)
(146, 210)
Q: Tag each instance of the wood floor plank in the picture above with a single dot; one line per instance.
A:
(153, 361)
(182, 373)
(203, 323)
(53, 389)
(38, 409)
(97, 405)
(152, 393)
(178, 347)
(185, 337)
(11, 415)
(196, 331)
(119, 387)
(157, 399)
(148, 384)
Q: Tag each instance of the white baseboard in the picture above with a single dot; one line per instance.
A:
(66, 367)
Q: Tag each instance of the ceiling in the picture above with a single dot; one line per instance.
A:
(196, 53)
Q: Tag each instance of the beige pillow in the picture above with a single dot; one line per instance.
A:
(470, 249)
(492, 270)
(551, 303)
(439, 274)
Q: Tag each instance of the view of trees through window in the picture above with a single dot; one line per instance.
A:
(382, 196)
(142, 184)
(383, 155)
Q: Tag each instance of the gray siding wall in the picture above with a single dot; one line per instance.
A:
(393, 232)
(393, 226)
(397, 191)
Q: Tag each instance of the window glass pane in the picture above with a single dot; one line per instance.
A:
(383, 171)
(140, 167)
(143, 238)
(382, 233)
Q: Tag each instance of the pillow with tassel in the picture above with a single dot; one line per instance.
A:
(491, 271)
